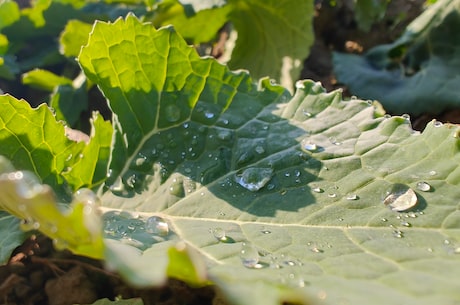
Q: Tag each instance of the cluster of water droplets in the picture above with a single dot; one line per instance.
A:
(132, 229)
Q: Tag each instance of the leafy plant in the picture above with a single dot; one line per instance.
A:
(416, 73)
(213, 179)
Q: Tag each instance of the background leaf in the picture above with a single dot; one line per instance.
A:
(310, 205)
(415, 74)
(278, 32)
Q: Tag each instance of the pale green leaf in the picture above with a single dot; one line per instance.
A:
(73, 37)
(44, 79)
(222, 163)
(77, 227)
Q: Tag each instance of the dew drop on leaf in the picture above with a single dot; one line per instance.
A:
(406, 224)
(308, 146)
(254, 178)
(352, 197)
(317, 189)
(249, 255)
(219, 234)
(157, 225)
(398, 234)
(259, 149)
(176, 188)
(423, 186)
(172, 113)
(400, 198)
(316, 250)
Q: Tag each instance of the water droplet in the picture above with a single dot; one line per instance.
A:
(224, 135)
(157, 225)
(423, 186)
(259, 149)
(69, 157)
(265, 231)
(400, 197)
(334, 141)
(307, 113)
(249, 255)
(308, 146)
(219, 234)
(209, 115)
(352, 197)
(432, 173)
(131, 181)
(384, 219)
(254, 178)
(332, 195)
(172, 113)
(317, 189)
(406, 116)
(317, 250)
(177, 188)
(398, 234)
(406, 224)
(437, 124)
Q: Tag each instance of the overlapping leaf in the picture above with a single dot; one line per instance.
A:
(295, 182)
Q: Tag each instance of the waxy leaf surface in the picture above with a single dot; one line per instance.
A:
(272, 197)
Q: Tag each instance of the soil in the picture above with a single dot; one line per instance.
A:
(37, 274)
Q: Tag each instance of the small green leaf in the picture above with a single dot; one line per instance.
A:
(45, 80)
(9, 13)
(74, 36)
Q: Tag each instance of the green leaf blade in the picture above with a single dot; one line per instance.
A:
(320, 228)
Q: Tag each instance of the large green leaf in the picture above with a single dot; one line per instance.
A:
(415, 74)
(275, 198)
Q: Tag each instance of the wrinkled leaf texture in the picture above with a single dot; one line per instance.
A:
(185, 129)
(415, 74)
